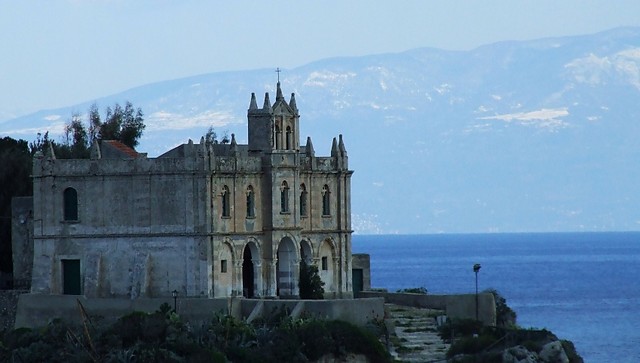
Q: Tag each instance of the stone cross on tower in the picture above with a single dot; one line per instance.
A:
(278, 70)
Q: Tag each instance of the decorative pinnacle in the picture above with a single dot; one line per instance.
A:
(253, 105)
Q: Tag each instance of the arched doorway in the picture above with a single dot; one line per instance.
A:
(327, 261)
(248, 274)
(287, 266)
(306, 253)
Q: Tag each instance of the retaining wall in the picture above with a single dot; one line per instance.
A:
(35, 310)
(456, 306)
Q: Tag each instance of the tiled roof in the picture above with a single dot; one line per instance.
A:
(122, 148)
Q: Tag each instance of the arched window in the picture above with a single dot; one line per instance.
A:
(250, 202)
(226, 207)
(289, 138)
(303, 200)
(70, 197)
(278, 137)
(284, 198)
(326, 201)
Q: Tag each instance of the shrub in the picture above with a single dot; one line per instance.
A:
(572, 354)
(413, 290)
(505, 316)
(459, 328)
(471, 345)
(310, 284)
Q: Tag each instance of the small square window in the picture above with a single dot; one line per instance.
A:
(223, 266)
(325, 265)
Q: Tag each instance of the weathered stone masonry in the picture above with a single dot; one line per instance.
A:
(207, 219)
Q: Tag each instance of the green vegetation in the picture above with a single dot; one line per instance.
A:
(413, 290)
(15, 181)
(211, 137)
(124, 124)
(163, 337)
(473, 342)
(505, 316)
(310, 284)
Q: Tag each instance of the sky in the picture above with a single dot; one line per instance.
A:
(56, 53)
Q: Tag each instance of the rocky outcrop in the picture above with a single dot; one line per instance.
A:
(552, 352)
(519, 354)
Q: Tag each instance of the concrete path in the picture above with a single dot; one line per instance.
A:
(416, 338)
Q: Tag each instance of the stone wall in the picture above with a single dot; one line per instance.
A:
(36, 310)
(461, 306)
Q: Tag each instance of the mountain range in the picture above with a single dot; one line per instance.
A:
(518, 136)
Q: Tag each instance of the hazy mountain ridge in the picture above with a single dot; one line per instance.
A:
(513, 136)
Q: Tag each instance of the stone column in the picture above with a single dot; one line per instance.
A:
(337, 277)
(237, 279)
(273, 284)
(295, 278)
(258, 288)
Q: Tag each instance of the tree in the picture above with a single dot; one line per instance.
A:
(505, 316)
(76, 143)
(122, 124)
(94, 122)
(211, 137)
(15, 181)
(310, 284)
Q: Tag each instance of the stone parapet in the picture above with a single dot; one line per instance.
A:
(461, 306)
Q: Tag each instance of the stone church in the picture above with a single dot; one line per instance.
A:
(203, 220)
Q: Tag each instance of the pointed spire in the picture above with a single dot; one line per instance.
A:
(279, 93)
(203, 147)
(334, 148)
(292, 103)
(310, 150)
(50, 153)
(234, 145)
(267, 103)
(343, 151)
(95, 151)
(253, 105)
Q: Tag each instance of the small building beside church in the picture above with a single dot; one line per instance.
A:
(203, 219)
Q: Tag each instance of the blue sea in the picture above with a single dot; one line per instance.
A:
(584, 287)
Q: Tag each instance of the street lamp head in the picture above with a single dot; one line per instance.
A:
(174, 293)
(476, 267)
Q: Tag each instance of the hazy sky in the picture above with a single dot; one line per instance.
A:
(60, 52)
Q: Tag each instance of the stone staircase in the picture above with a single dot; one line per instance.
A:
(413, 334)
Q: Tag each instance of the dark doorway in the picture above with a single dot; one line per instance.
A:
(71, 277)
(357, 280)
(247, 273)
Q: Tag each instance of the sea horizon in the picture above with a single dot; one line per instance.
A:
(579, 285)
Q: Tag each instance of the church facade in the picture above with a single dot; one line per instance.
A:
(201, 220)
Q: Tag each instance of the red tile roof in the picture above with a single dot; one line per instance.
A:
(124, 149)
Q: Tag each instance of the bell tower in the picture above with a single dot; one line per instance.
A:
(274, 128)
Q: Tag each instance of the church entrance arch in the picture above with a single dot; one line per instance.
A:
(286, 268)
(250, 257)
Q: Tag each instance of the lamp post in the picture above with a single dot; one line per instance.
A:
(174, 293)
(476, 269)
